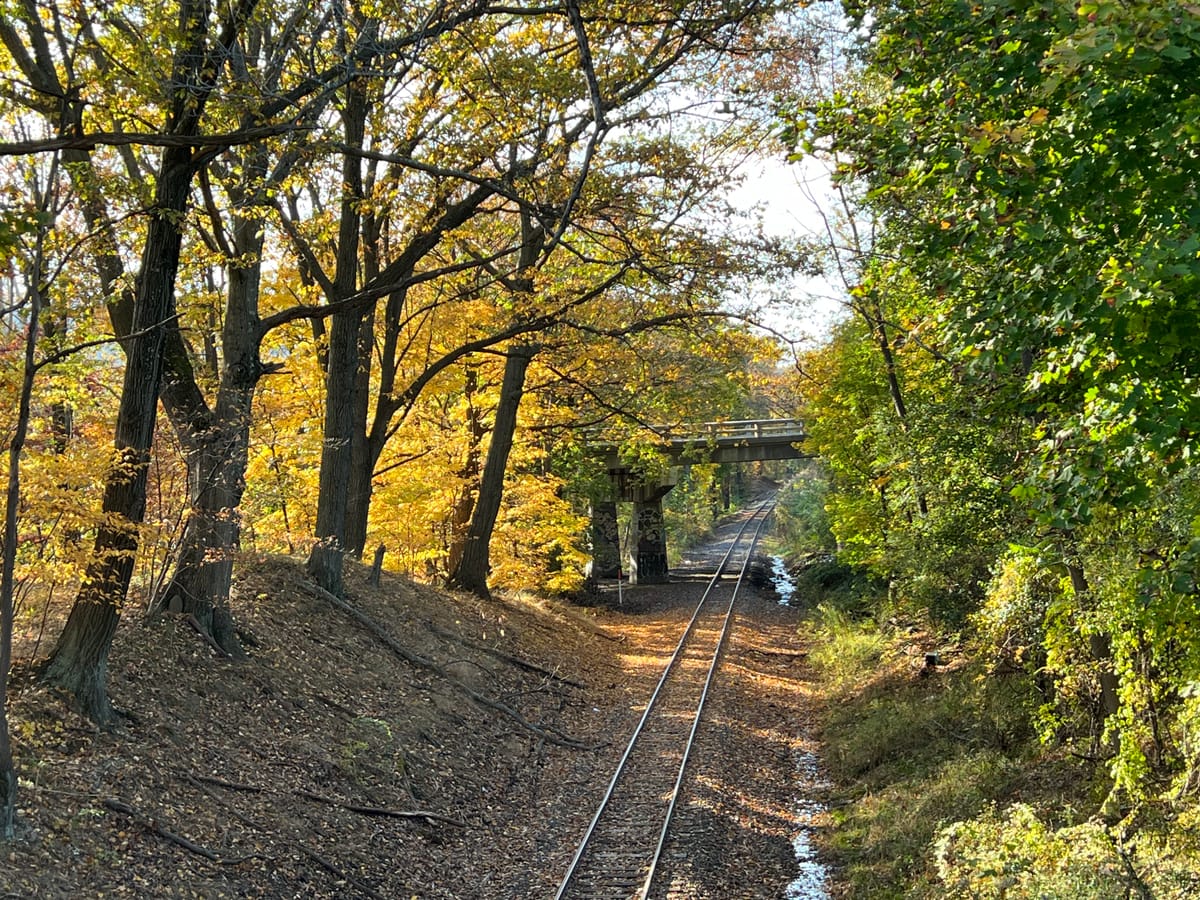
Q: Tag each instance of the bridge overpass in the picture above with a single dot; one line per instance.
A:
(749, 440)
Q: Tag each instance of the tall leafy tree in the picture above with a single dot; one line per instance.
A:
(79, 661)
(1033, 168)
(505, 165)
(30, 227)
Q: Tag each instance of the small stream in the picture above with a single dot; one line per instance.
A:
(784, 586)
(812, 878)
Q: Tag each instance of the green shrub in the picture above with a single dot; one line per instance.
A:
(1010, 624)
(821, 579)
(801, 522)
(1017, 855)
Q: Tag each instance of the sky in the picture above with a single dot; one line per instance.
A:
(787, 199)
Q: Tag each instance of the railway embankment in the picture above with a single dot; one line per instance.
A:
(411, 743)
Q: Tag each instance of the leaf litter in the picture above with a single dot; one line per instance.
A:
(328, 766)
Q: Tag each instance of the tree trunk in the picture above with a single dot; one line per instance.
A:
(391, 399)
(472, 571)
(8, 563)
(203, 575)
(1100, 647)
(362, 462)
(341, 380)
(363, 459)
(79, 663)
(325, 560)
(217, 457)
(464, 502)
(878, 326)
(375, 434)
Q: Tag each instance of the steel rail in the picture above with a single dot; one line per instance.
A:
(654, 696)
(712, 671)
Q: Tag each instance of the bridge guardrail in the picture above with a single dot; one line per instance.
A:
(741, 428)
(730, 429)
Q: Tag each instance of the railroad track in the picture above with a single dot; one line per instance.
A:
(619, 854)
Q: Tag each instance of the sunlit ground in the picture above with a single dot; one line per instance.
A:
(757, 713)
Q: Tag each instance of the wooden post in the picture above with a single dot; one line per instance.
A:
(377, 566)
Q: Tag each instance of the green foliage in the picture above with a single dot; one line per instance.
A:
(16, 225)
(919, 501)
(1030, 173)
(691, 508)
(1055, 182)
(1016, 854)
(924, 762)
(801, 521)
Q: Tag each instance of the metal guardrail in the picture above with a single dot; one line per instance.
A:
(740, 429)
(731, 430)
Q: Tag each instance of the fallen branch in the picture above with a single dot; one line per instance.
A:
(150, 825)
(379, 810)
(501, 655)
(574, 620)
(372, 626)
(428, 664)
(579, 621)
(195, 781)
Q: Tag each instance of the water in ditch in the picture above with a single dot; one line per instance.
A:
(812, 877)
(784, 586)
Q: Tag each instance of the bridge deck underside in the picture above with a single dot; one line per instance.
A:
(686, 453)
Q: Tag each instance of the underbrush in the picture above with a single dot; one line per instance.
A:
(832, 584)
(942, 788)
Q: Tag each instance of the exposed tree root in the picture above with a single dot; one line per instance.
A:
(429, 665)
(340, 874)
(321, 798)
(381, 811)
(149, 824)
(335, 871)
(209, 639)
(501, 655)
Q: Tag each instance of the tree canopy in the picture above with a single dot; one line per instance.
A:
(322, 237)
(1010, 407)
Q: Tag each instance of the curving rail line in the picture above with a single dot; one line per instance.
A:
(618, 856)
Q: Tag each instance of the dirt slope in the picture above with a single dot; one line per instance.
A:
(328, 766)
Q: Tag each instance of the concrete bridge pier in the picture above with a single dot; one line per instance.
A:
(711, 442)
(606, 540)
(650, 561)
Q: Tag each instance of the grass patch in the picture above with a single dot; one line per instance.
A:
(912, 750)
(941, 789)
